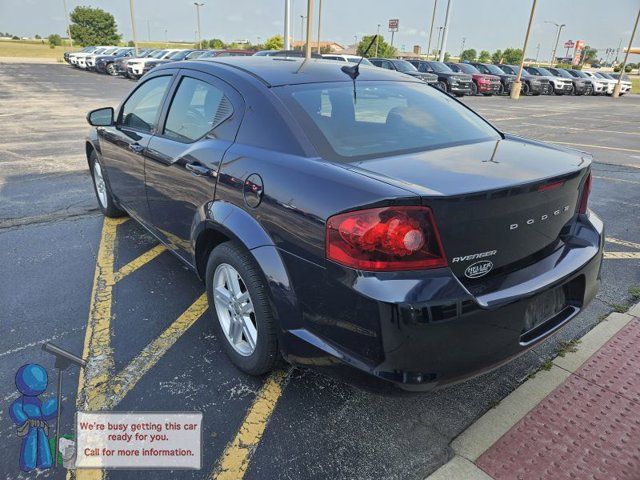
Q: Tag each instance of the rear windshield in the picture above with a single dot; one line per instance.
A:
(386, 118)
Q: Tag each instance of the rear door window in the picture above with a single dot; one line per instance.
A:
(140, 111)
(197, 108)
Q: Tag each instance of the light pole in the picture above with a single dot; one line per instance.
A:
(537, 53)
(319, 23)
(307, 50)
(438, 42)
(66, 18)
(377, 40)
(464, 39)
(433, 18)
(616, 89)
(287, 24)
(445, 31)
(198, 5)
(133, 27)
(517, 84)
(302, 17)
(559, 27)
(148, 30)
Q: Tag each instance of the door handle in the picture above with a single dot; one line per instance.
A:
(136, 147)
(198, 169)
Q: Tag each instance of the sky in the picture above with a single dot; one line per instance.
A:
(485, 25)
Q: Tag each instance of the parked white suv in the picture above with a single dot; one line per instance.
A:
(136, 67)
(625, 83)
(347, 58)
(75, 57)
(608, 83)
(559, 84)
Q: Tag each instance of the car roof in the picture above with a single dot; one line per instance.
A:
(276, 71)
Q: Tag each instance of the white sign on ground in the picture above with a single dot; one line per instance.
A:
(139, 440)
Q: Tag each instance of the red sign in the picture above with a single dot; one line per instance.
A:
(569, 44)
(577, 53)
(394, 23)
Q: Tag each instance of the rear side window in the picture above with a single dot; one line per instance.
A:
(141, 108)
(196, 108)
(386, 118)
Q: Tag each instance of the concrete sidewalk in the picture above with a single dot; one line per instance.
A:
(577, 418)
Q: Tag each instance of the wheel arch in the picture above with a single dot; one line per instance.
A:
(222, 222)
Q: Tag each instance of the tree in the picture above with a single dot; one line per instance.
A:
(484, 57)
(512, 55)
(447, 56)
(468, 55)
(130, 43)
(274, 43)
(496, 58)
(37, 37)
(589, 54)
(54, 40)
(93, 26)
(214, 43)
(384, 49)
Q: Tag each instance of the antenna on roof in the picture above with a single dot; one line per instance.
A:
(354, 71)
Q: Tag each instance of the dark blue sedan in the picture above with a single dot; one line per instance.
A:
(363, 223)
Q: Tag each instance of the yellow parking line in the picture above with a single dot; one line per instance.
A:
(97, 341)
(124, 381)
(633, 150)
(621, 255)
(237, 455)
(97, 349)
(135, 264)
(623, 242)
(617, 180)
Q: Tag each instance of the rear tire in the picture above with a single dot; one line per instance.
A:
(474, 89)
(235, 285)
(442, 86)
(525, 89)
(104, 196)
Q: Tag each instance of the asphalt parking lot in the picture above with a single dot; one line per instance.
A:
(156, 351)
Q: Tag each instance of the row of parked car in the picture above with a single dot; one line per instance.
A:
(123, 61)
(455, 78)
(488, 79)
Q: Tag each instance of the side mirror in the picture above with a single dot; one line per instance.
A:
(101, 117)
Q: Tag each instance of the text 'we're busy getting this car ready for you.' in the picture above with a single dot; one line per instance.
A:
(362, 222)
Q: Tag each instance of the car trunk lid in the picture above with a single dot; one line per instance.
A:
(497, 204)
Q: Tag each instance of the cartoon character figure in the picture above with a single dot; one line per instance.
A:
(31, 415)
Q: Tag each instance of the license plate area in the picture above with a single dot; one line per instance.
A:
(550, 310)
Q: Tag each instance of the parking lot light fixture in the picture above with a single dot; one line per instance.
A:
(287, 24)
(133, 27)
(198, 5)
(319, 23)
(433, 19)
(517, 84)
(445, 32)
(307, 52)
(66, 17)
(616, 89)
(377, 39)
(559, 26)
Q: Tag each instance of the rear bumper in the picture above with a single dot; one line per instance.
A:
(422, 330)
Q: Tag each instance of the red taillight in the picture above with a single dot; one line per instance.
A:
(584, 199)
(385, 239)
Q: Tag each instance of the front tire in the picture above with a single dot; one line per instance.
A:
(111, 70)
(240, 309)
(474, 89)
(104, 196)
(525, 89)
(442, 86)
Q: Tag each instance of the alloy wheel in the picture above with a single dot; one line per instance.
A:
(111, 69)
(234, 309)
(101, 187)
